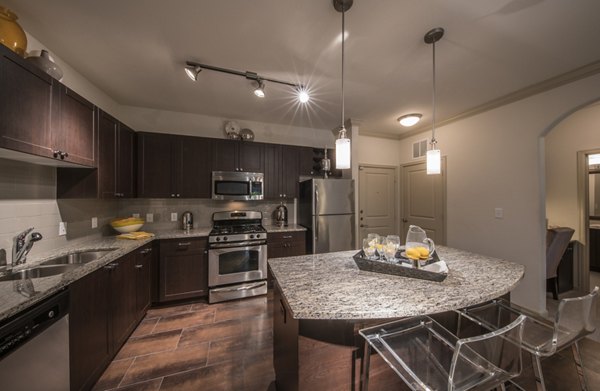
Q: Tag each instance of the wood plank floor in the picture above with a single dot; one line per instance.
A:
(228, 346)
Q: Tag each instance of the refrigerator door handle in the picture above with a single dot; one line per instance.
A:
(316, 213)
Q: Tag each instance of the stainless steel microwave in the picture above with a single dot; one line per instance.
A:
(242, 186)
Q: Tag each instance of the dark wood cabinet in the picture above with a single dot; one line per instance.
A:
(89, 346)
(306, 161)
(284, 164)
(116, 165)
(594, 249)
(143, 264)
(171, 166)
(183, 269)
(123, 296)
(290, 167)
(286, 244)
(273, 173)
(105, 308)
(74, 130)
(25, 106)
(235, 155)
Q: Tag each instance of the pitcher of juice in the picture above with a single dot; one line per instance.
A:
(418, 245)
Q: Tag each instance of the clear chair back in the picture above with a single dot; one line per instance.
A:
(487, 360)
(575, 318)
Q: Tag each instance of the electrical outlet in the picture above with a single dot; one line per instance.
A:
(94, 222)
(499, 213)
(174, 216)
(149, 218)
(62, 228)
(136, 215)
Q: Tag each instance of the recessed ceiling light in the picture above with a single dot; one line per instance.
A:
(409, 120)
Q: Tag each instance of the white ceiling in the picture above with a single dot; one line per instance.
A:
(135, 51)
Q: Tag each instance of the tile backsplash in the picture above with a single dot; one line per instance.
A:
(202, 209)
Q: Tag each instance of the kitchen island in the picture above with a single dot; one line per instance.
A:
(322, 300)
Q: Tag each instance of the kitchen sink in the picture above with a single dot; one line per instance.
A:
(79, 257)
(38, 272)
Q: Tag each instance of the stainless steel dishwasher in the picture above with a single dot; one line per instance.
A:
(34, 347)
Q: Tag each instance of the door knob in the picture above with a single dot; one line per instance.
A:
(404, 221)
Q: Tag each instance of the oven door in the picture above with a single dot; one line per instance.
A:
(232, 265)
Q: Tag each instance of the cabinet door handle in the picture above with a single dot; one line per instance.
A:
(146, 251)
(183, 244)
(139, 266)
(173, 195)
(178, 195)
(287, 236)
(111, 266)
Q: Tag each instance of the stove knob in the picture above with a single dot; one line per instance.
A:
(252, 236)
(218, 239)
(224, 238)
(257, 236)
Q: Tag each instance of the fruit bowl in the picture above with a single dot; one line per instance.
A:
(126, 225)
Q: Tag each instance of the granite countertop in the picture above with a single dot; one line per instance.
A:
(287, 228)
(12, 302)
(330, 286)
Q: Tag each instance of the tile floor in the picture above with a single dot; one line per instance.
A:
(225, 346)
(228, 346)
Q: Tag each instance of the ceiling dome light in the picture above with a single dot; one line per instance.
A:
(260, 90)
(192, 71)
(409, 120)
(303, 96)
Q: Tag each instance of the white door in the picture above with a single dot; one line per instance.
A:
(377, 200)
(423, 201)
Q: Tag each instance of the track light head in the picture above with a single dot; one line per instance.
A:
(192, 71)
(260, 90)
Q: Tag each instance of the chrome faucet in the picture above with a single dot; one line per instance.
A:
(22, 244)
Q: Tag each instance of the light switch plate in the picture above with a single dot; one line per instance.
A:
(149, 218)
(499, 213)
(62, 228)
(174, 216)
(94, 222)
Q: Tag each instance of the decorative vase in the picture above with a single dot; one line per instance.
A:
(46, 64)
(11, 34)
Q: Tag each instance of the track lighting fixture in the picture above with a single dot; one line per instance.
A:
(192, 69)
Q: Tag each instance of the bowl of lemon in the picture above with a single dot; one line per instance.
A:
(128, 224)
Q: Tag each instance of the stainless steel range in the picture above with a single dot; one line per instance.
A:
(237, 256)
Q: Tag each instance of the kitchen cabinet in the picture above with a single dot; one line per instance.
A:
(89, 345)
(42, 117)
(235, 155)
(183, 269)
(286, 244)
(272, 179)
(25, 106)
(171, 166)
(106, 306)
(595, 249)
(284, 164)
(290, 168)
(74, 130)
(116, 168)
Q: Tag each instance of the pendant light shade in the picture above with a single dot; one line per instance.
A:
(342, 151)
(434, 155)
(342, 144)
(434, 162)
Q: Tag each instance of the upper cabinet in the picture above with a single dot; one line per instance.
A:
(25, 106)
(41, 117)
(234, 155)
(171, 166)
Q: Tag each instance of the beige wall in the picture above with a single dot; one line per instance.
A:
(495, 160)
(578, 132)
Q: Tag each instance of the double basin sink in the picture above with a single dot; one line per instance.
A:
(57, 265)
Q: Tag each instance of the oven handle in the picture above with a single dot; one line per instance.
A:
(240, 288)
(238, 244)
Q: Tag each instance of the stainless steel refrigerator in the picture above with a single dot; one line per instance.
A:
(326, 209)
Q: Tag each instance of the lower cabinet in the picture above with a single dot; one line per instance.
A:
(106, 306)
(183, 269)
(594, 249)
(286, 244)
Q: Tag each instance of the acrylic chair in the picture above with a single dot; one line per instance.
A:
(575, 319)
(428, 357)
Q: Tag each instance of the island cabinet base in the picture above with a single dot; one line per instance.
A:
(313, 355)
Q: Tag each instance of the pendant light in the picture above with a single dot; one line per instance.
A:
(434, 156)
(342, 144)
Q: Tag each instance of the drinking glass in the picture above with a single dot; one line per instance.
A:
(392, 243)
(368, 248)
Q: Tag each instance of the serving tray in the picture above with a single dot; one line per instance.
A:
(404, 269)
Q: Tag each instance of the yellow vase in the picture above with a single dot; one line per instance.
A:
(11, 34)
